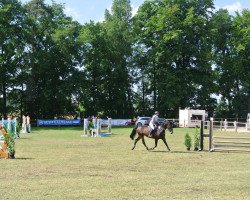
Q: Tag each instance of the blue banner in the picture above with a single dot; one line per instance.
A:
(58, 122)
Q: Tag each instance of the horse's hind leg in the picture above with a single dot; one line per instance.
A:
(156, 142)
(165, 142)
(136, 140)
(143, 141)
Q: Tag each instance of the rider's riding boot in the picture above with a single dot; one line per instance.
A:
(155, 130)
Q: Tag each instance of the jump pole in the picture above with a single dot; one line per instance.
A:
(2, 137)
(85, 127)
(202, 136)
(209, 135)
(95, 129)
(98, 126)
(24, 126)
(109, 126)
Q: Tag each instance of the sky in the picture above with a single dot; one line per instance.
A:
(85, 10)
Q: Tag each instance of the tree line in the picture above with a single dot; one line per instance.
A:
(172, 54)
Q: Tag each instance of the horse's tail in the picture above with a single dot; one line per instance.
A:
(133, 133)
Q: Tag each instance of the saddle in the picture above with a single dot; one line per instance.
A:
(156, 131)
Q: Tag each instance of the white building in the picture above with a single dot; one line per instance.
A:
(248, 122)
(191, 118)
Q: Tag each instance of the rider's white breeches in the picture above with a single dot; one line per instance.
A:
(151, 125)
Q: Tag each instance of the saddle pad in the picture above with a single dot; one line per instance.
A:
(158, 132)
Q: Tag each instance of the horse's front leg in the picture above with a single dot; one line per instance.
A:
(156, 142)
(165, 142)
(136, 140)
(143, 141)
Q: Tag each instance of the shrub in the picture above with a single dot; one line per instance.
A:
(188, 141)
(196, 139)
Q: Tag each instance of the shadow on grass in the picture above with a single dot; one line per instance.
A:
(155, 151)
(41, 128)
(17, 158)
(23, 138)
(186, 152)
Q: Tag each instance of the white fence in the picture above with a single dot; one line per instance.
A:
(231, 126)
(225, 125)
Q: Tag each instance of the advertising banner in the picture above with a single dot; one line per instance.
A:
(58, 122)
(117, 122)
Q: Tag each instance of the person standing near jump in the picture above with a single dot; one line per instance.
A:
(154, 123)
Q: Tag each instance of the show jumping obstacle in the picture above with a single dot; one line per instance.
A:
(8, 125)
(26, 127)
(3, 150)
(96, 130)
(222, 143)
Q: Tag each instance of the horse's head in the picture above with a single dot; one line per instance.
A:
(169, 125)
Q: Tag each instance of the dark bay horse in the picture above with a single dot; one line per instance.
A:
(145, 130)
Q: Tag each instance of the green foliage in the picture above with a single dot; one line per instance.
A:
(10, 141)
(11, 147)
(18, 128)
(176, 39)
(231, 41)
(53, 59)
(188, 141)
(196, 138)
(91, 124)
(108, 48)
(11, 50)
(172, 54)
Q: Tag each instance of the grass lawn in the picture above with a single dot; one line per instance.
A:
(57, 163)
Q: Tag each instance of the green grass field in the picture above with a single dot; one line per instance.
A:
(60, 164)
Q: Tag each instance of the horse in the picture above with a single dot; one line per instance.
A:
(145, 130)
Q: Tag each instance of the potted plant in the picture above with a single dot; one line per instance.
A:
(188, 141)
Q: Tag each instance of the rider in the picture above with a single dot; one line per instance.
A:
(154, 123)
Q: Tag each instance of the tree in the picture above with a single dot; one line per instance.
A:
(108, 51)
(11, 48)
(53, 60)
(242, 41)
(176, 39)
(118, 36)
(92, 94)
(231, 50)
